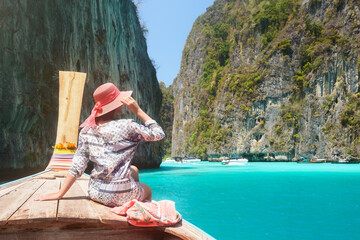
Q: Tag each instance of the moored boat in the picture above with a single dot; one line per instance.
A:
(342, 160)
(169, 160)
(312, 160)
(191, 160)
(235, 161)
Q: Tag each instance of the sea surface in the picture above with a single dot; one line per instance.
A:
(263, 200)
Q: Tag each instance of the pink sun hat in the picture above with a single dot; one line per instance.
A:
(107, 98)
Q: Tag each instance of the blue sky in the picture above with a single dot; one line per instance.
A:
(168, 23)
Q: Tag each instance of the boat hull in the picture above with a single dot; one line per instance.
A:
(81, 230)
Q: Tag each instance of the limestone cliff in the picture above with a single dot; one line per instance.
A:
(270, 77)
(167, 116)
(39, 38)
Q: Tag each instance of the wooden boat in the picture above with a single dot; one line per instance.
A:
(235, 161)
(313, 160)
(341, 160)
(74, 216)
(170, 160)
(318, 160)
(191, 160)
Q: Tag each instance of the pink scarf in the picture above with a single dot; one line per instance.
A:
(149, 214)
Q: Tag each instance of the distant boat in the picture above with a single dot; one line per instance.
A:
(303, 160)
(169, 160)
(317, 160)
(235, 161)
(191, 160)
(313, 160)
(340, 160)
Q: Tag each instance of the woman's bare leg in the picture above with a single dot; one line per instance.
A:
(135, 176)
(134, 173)
(147, 191)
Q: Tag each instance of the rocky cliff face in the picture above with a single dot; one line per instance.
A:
(277, 78)
(167, 117)
(39, 38)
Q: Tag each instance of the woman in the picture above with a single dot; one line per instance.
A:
(110, 144)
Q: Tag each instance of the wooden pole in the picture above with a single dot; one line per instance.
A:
(71, 89)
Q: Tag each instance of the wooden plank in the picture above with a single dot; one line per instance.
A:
(184, 231)
(71, 88)
(12, 201)
(53, 174)
(75, 206)
(9, 189)
(47, 175)
(35, 211)
(79, 231)
(21, 180)
(11, 184)
(106, 216)
(56, 174)
(84, 186)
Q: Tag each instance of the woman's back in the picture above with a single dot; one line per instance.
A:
(111, 147)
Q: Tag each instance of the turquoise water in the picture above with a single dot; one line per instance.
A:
(263, 200)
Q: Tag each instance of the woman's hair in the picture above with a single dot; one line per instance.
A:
(107, 117)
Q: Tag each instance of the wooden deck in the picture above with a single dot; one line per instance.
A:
(75, 216)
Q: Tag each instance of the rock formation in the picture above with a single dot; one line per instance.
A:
(277, 78)
(39, 38)
(167, 116)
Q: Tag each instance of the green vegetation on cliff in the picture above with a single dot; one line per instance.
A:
(302, 57)
(218, 75)
(272, 16)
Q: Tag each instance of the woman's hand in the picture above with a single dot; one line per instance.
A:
(69, 180)
(131, 104)
(51, 196)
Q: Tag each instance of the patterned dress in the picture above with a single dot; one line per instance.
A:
(111, 148)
